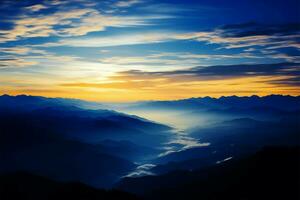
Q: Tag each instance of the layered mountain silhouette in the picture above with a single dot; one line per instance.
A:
(79, 123)
(194, 112)
(67, 140)
(280, 102)
(52, 138)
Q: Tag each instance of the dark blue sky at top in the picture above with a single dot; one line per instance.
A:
(189, 15)
(199, 14)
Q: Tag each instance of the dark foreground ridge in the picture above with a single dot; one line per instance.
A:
(272, 173)
(26, 186)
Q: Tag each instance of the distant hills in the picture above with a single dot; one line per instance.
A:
(33, 102)
(253, 105)
(192, 112)
(272, 101)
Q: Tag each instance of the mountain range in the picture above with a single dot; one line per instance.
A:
(137, 147)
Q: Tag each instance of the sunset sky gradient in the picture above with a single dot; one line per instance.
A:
(118, 50)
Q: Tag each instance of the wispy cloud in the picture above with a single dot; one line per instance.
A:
(36, 7)
(224, 37)
(220, 72)
(6, 63)
(21, 50)
(171, 60)
(167, 8)
(127, 3)
(66, 22)
(109, 41)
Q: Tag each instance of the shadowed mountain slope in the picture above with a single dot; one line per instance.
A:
(64, 142)
(26, 186)
(272, 173)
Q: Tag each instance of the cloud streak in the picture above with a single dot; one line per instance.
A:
(13, 62)
(226, 37)
(219, 72)
(127, 3)
(36, 7)
(67, 22)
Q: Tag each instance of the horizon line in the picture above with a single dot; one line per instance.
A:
(181, 99)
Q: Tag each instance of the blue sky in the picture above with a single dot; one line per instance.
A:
(101, 49)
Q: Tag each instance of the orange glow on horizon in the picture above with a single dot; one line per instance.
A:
(158, 89)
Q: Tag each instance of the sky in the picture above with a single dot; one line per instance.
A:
(118, 50)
